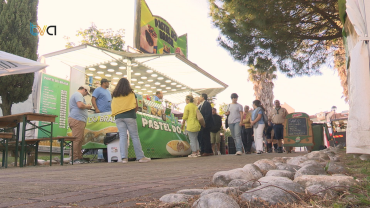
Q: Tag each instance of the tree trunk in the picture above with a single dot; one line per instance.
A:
(6, 106)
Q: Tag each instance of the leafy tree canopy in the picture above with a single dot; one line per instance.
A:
(15, 38)
(101, 38)
(296, 36)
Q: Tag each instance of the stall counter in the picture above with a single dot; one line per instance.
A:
(159, 138)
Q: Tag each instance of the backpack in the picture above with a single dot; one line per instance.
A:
(264, 116)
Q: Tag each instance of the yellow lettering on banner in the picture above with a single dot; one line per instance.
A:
(144, 122)
(156, 126)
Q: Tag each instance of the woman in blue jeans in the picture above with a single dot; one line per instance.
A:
(124, 107)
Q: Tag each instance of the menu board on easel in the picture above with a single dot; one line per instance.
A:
(297, 126)
(298, 130)
(54, 99)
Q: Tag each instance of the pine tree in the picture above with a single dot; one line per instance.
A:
(15, 38)
(263, 86)
(297, 35)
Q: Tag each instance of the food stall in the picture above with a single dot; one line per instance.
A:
(157, 62)
(159, 129)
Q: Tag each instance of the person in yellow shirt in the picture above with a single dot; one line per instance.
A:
(124, 107)
(247, 130)
(192, 125)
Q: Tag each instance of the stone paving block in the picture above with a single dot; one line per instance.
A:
(126, 204)
(19, 195)
(42, 204)
(100, 201)
(78, 198)
(84, 185)
(57, 196)
(118, 191)
(15, 202)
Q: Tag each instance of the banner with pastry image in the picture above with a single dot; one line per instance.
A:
(159, 139)
(155, 35)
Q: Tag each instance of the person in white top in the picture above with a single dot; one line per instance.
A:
(235, 115)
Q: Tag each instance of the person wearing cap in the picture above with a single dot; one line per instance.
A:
(101, 97)
(77, 119)
(158, 96)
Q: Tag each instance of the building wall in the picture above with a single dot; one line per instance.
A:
(288, 108)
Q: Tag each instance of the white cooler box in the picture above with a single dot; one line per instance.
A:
(113, 151)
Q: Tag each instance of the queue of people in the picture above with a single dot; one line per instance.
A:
(246, 126)
(123, 106)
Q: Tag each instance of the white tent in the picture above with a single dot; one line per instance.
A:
(172, 74)
(357, 27)
(11, 64)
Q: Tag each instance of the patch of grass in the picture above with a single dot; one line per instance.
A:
(358, 196)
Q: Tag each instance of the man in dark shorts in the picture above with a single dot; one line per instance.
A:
(278, 119)
(268, 135)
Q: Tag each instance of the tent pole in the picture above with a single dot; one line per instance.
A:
(129, 70)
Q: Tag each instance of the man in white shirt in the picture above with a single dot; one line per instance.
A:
(235, 113)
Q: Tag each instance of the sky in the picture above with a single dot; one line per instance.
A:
(305, 94)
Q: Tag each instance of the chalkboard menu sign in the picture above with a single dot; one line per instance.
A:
(297, 126)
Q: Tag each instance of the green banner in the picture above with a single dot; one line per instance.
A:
(54, 99)
(159, 139)
(157, 35)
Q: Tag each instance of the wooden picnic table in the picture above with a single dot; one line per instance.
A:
(13, 121)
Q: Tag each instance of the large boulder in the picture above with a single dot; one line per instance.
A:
(364, 157)
(248, 172)
(253, 170)
(215, 200)
(52, 162)
(280, 159)
(317, 155)
(265, 165)
(190, 191)
(66, 160)
(281, 173)
(57, 159)
(310, 170)
(308, 162)
(336, 168)
(330, 154)
(321, 191)
(175, 198)
(273, 191)
(338, 183)
(41, 162)
(334, 158)
(283, 166)
(225, 190)
(331, 149)
(243, 185)
(296, 160)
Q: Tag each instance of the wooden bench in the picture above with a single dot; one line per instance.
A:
(63, 142)
(5, 140)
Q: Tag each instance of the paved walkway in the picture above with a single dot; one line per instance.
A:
(112, 184)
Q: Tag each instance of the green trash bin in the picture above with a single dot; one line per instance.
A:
(318, 135)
